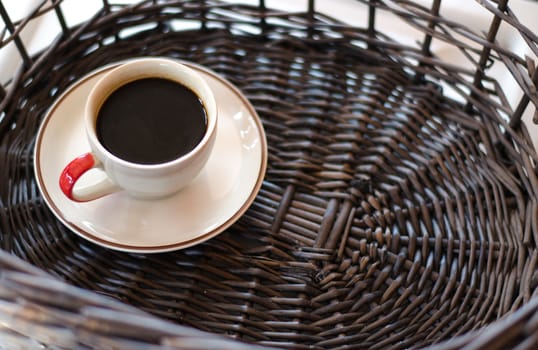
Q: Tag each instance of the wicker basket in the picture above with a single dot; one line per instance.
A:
(399, 207)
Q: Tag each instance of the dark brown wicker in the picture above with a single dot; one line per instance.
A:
(393, 214)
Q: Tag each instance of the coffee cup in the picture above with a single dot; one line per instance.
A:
(151, 124)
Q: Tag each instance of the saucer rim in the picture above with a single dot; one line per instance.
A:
(153, 248)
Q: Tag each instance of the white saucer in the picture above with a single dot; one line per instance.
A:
(214, 201)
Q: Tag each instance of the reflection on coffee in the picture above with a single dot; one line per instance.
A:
(151, 121)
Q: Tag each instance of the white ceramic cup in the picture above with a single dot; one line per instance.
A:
(148, 181)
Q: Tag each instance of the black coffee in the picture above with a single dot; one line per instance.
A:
(151, 121)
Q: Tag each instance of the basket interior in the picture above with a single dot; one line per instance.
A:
(398, 208)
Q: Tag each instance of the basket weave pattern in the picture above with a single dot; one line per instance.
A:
(391, 215)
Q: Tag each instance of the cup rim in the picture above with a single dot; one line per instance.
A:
(108, 84)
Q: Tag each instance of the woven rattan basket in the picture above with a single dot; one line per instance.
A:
(399, 208)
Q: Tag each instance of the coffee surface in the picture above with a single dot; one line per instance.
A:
(151, 121)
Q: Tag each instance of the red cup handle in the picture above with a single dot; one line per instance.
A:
(73, 171)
